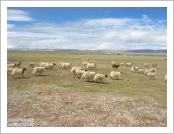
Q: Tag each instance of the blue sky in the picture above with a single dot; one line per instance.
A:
(92, 28)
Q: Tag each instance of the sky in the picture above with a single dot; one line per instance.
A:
(87, 28)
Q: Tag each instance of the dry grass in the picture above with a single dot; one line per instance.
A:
(49, 108)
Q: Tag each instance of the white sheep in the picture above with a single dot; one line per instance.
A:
(66, 65)
(91, 66)
(136, 68)
(115, 75)
(38, 70)
(9, 70)
(99, 77)
(75, 68)
(18, 71)
(151, 75)
(146, 64)
(141, 71)
(79, 73)
(43, 64)
(88, 75)
(129, 64)
(146, 71)
(50, 66)
(165, 78)
(85, 63)
(60, 64)
(132, 69)
(11, 65)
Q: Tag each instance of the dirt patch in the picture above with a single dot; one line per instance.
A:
(85, 110)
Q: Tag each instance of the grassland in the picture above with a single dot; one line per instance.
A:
(60, 100)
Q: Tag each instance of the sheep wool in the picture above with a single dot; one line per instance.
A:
(88, 75)
(66, 65)
(9, 70)
(18, 71)
(91, 65)
(11, 65)
(151, 75)
(115, 75)
(38, 70)
(50, 66)
(99, 77)
(73, 69)
(79, 73)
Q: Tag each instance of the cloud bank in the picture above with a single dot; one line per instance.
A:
(91, 34)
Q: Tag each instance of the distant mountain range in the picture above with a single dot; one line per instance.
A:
(138, 51)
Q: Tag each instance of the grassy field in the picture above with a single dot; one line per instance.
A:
(58, 99)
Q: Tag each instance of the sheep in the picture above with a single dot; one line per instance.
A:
(141, 71)
(85, 63)
(165, 78)
(31, 64)
(91, 65)
(88, 75)
(18, 71)
(136, 68)
(154, 64)
(18, 63)
(151, 75)
(11, 65)
(99, 77)
(79, 73)
(122, 64)
(38, 70)
(129, 64)
(50, 66)
(155, 69)
(115, 66)
(115, 75)
(146, 71)
(60, 64)
(75, 68)
(146, 64)
(66, 65)
(10, 70)
(132, 69)
(43, 64)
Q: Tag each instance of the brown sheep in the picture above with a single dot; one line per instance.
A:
(115, 66)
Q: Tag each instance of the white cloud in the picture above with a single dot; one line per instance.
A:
(106, 33)
(10, 26)
(144, 17)
(18, 15)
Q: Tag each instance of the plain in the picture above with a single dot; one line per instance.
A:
(58, 99)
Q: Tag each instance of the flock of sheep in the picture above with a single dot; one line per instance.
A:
(80, 72)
